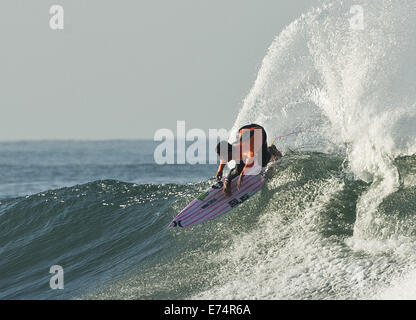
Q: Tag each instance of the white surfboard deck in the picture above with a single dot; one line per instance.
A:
(213, 202)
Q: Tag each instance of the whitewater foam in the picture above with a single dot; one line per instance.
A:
(350, 91)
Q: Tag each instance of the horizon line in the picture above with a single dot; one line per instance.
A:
(88, 140)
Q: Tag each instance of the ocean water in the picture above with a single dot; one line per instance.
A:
(28, 167)
(336, 220)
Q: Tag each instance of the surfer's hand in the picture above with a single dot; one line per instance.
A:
(239, 183)
(219, 175)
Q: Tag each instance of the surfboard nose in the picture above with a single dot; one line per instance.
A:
(175, 224)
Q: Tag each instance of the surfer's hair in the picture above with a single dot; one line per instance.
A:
(222, 146)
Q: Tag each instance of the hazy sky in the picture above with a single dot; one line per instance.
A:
(123, 69)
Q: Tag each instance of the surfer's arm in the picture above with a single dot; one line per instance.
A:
(240, 178)
(220, 170)
(240, 181)
(249, 163)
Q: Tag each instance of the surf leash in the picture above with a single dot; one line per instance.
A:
(284, 136)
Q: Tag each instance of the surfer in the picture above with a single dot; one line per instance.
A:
(249, 149)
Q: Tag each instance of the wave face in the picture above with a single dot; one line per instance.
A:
(335, 220)
(94, 231)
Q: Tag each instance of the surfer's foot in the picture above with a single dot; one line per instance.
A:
(227, 188)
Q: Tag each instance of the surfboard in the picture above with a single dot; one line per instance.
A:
(213, 202)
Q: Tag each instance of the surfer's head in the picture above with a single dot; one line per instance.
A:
(224, 151)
